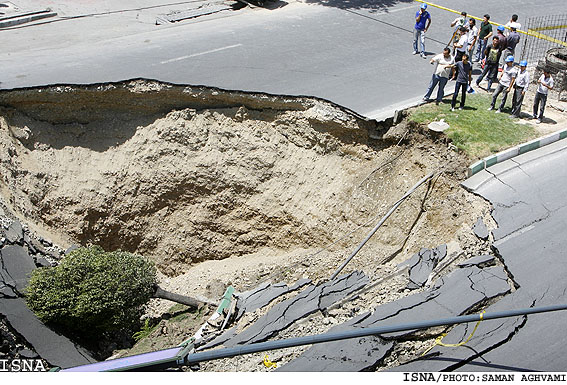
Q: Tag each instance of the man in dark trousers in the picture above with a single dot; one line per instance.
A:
(520, 87)
(544, 84)
(511, 42)
(463, 75)
(492, 53)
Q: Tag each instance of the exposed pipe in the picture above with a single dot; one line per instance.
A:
(396, 205)
(362, 332)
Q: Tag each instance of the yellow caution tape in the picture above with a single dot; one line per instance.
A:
(268, 363)
(530, 32)
(440, 343)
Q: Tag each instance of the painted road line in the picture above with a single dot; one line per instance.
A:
(199, 54)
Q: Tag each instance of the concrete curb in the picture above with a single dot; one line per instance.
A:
(515, 151)
(13, 20)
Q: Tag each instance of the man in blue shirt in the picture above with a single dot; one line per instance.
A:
(422, 23)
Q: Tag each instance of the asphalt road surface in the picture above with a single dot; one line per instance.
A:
(527, 193)
(357, 53)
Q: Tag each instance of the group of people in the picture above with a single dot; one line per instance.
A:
(499, 54)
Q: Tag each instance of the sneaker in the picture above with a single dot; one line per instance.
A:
(498, 111)
(461, 108)
(490, 108)
(423, 55)
(538, 121)
(534, 117)
(415, 52)
(453, 109)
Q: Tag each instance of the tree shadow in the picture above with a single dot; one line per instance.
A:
(372, 6)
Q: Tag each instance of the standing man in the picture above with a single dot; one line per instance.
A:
(484, 35)
(545, 83)
(520, 87)
(502, 43)
(444, 63)
(472, 37)
(461, 46)
(457, 24)
(513, 23)
(492, 53)
(512, 40)
(464, 77)
(507, 78)
(422, 23)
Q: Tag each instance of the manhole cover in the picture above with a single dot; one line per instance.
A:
(439, 126)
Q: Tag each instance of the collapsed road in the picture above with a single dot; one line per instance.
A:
(244, 189)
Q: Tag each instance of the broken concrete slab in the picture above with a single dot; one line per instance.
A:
(261, 296)
(310, 300)
(42, 262)
(480, 229)
(363, 354)
(473, 286)
(366, 354)
(16, 267)
(57, 350)
(478, 261)
(15, 233)
(422, 264)
(488, 335)
(6, 291)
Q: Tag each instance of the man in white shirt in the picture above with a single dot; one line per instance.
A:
(462, 45)
(513, 23)
(444, 63)
(472, 36)
(545, 83)
(457, 24)
(507, 78)
(520, 87)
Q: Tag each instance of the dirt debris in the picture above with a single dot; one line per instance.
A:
(233, 187)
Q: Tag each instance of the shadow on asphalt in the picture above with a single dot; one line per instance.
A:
(271, 5)
(373, 6)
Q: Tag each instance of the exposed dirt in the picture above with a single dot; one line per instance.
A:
(230, 187)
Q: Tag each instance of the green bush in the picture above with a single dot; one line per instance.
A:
(92, 291)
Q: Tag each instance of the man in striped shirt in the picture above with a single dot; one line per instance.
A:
(520, 87)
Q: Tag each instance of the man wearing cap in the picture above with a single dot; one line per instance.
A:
(505, 84)
(484, 34)
(545, 83)
(502, 43)
(520, 87)
(422, 23)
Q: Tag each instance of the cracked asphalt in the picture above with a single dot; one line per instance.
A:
(529, 207)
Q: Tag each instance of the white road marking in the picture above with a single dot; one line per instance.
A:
(199, 54)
